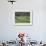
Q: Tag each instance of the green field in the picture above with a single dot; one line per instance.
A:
(22, 19)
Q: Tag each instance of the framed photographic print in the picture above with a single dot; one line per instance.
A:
(23, 18)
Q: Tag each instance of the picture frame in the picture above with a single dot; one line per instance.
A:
(23, 17)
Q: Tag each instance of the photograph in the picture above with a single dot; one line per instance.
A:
(23, 18)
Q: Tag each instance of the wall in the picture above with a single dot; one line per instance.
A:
(9, 31)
